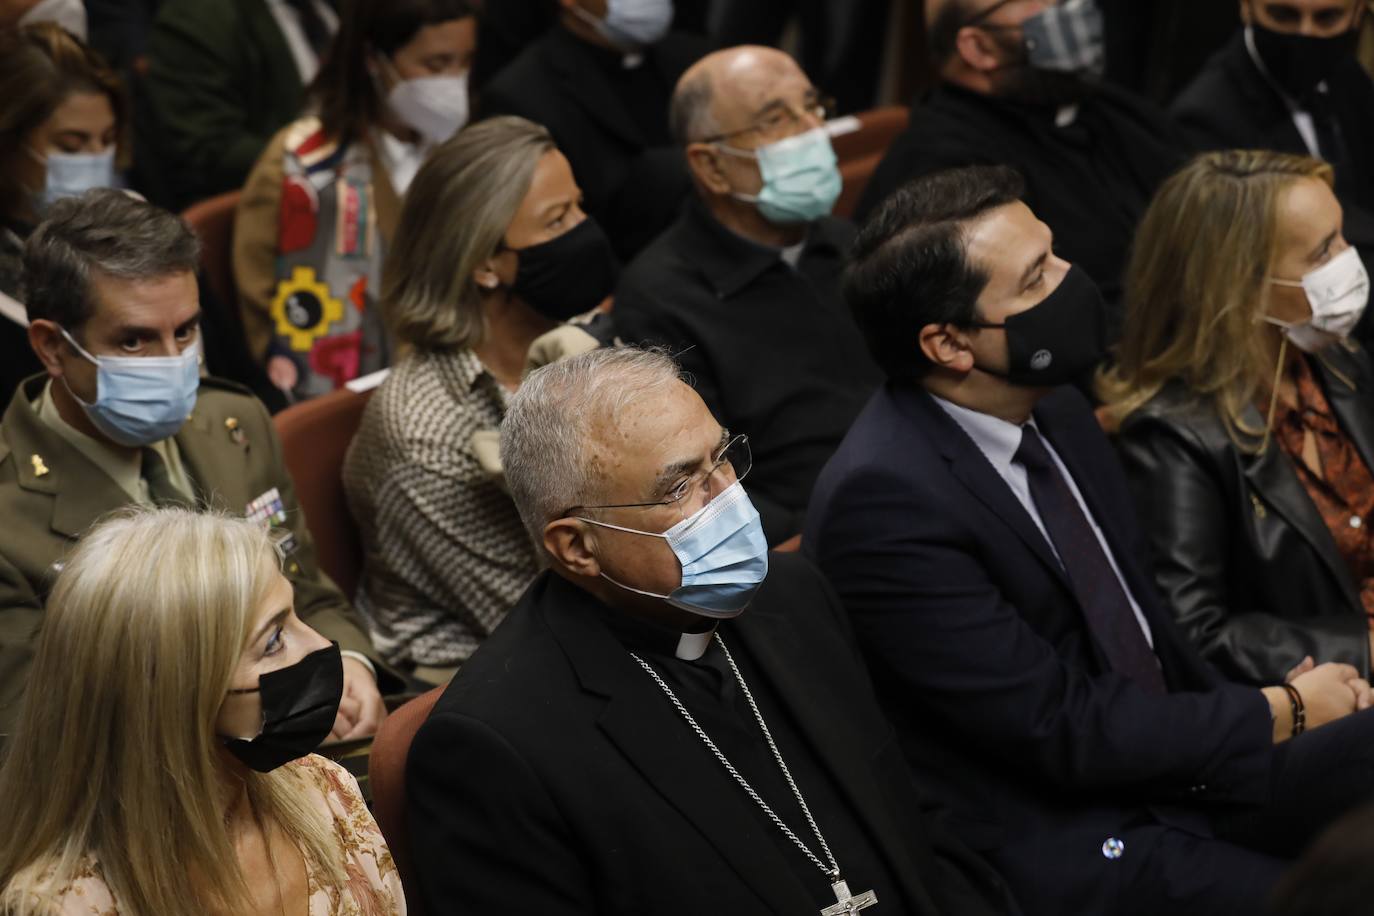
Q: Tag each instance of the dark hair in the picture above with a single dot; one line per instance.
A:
(103, 230)
(344, 88)
(40, 65)
(909, 266)
(944, 29)
(1333, 876)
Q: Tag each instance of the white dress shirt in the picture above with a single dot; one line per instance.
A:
(999, 440)
(289, 21)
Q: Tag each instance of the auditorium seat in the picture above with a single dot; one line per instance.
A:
(860, 142)
(314, 436)
(387, 772)
(213, 222)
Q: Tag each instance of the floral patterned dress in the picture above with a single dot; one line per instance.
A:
(373, 885)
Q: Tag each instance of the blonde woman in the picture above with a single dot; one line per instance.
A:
(160, 766)
(1247, 426)
(492, 251)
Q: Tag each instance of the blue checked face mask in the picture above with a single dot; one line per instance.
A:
(1066, 39)
(722, 551)
(801, 177)
(141, 399)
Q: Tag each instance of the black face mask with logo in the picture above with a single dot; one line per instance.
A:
(299, 705)
(567, 275)
(1057, 340)
(1300, 63)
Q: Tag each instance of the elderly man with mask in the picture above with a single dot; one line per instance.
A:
(1019, 86)
(670, 721)
(745, 285)
(600, 80)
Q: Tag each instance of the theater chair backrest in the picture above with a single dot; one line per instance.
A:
(314, 437)
(860, 142)
(213, 222)
(387, 773)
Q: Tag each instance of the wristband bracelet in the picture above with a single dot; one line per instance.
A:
(1299, 711)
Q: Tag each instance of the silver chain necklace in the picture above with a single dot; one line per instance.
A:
(848, 904)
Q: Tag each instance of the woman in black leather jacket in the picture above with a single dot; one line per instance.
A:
(1245, 412)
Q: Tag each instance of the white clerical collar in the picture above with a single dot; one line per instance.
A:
(692, 646)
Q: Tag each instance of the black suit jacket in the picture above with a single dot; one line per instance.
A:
(772, 351)
(984, 660)
(553, 777)
(1241, 554)
(633, 188)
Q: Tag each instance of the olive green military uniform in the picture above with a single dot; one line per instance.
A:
(50, 493)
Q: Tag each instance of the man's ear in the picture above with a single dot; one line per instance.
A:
(703, 160)
(977, 48)
(947, 347)
(46, 340)
(572, 543)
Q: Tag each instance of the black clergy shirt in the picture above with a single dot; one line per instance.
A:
(771, 348)
(708, 689)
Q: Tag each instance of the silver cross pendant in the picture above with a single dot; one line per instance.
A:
(848, 903)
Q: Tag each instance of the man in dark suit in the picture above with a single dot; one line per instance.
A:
(748, 293)
(1290, 81)
(981, 536)
(1091, 154)
(629, 742)
(601, 87)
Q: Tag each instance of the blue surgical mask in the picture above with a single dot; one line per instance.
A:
(631, 24)
(73, 174)
(801, 177)
(140, 400)
(722, 552)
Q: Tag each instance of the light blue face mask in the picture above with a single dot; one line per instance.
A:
(801, 177)
(73, 174)
(140, 400)
(722, 551)
(631, 24)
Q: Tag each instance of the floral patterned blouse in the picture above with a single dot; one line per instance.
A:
(373, 885)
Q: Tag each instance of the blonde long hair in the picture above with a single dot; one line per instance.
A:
(1196, 286)
(115, 761)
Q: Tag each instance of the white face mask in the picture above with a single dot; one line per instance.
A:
(631, 24)
(1338, 292)
(70, 14)
(436, 107)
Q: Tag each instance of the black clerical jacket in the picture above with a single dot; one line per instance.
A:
(632, 184)
(1089, 181)
(554, 777)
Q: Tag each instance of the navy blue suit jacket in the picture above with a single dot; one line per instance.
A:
(984, 660)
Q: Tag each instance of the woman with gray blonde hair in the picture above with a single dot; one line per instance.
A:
(492, 252)
(161, 763)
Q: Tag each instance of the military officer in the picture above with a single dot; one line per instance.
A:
(122, 416)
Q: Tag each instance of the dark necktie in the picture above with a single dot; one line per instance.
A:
(1329, 139)
(161, 490)
(1104, 601)
(313, 25)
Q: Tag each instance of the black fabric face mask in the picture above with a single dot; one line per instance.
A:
(568, 275)
(1299, 63)
(299, 704)
(1057, 340)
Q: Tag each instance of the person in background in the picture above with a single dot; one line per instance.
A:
(62, 117)
(745, 286)
(69, 14)
(493, 250)
(1289, 81)
(319, 209)
(1019, 85)
(162, 762)
(1245, 420)
(600, 80)
(121, 415)
(223, 77)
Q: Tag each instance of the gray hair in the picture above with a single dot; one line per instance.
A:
(104, 230)
(545, 435)
(455, 215)
(690, 118)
